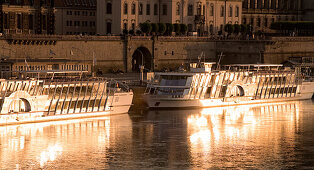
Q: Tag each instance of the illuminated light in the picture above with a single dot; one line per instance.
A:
(50, 154)
(202, 136)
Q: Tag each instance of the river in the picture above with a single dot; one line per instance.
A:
(266, 136)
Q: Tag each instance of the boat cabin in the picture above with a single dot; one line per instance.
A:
(201, 67)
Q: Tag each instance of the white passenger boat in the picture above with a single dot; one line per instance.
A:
(25, 100)
(232, 85)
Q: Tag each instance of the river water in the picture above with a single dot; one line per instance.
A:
(268, 136)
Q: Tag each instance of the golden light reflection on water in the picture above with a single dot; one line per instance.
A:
(45, 143)
(235, 126)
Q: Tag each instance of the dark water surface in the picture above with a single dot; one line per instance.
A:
(279, 136)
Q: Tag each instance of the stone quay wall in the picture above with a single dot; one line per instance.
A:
(117, 53)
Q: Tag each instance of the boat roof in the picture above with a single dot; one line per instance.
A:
(52, 71)
(256, 65)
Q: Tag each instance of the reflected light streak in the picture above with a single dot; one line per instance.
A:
(50, 154)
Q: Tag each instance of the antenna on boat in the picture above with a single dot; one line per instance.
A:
(220, 57)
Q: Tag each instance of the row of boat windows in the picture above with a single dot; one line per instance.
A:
(77, 106)
(278, 91)
(79, 91)
(170, 80)
(30, 87)
(75, 67)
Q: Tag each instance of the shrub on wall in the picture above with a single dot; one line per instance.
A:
(183, 29)
(170, 28)
(161, 28)
(154, 28)
(236, 29)
(177, 28)
(146, 27)
(229, 28)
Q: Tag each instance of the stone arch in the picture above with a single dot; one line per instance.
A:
(142, 56)
(20, 105)
(235, 89)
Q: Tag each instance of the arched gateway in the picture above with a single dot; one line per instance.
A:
(141, 56)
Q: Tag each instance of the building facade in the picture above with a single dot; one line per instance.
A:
(261, 13)
(308, 9)
(202, 15)
(75, 17)
(27, 17)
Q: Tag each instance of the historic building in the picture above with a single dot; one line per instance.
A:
(208, 16)
(75, 17)
(308, 9)
(27, 17)
(261, 13)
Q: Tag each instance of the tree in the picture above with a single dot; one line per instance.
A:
(146, 27)
(131, 32)
(154, 28)
(243, 29)
(177, 28)
(170, 28)
(229, 28)
(183, 29)
(138, 32)
(236, 29)
(161, 28)
(125, 32)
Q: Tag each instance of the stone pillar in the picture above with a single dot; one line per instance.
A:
(277, 3)
(263, 4)
(255, 4)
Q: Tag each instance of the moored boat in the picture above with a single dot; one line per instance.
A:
(24, 100)
(234, 84)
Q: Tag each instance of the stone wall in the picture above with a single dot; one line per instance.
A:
(113, 53)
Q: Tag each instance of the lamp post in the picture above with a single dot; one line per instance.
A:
(141, 67)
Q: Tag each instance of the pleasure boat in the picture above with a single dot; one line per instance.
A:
(37, 99)
(207, 86)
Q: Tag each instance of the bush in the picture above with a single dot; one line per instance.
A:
(154, 28)
(243, 28)
(125, 32)
(146, 27)
(170, 28)
(229, 28)
(183, 29)
(177, 28)
(236, 29)
(138, 32)
(161, 28)
(131, 32)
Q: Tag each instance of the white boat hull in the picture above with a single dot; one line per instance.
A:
(121, 103)
(154, 102)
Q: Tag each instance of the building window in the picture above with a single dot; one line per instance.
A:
(44, 19)
(109, 8)
(69, 12)
(6, 21)
(252, 21)
(258, 22)
(140, 9)
(211, 12)
(244, 20)
(190, 10)
(222, 11)
(31, 22)
(199, 9)
(92, 23)
(266, 22)
(164, 9)
(125, 8)
(19, 21)
(230, 11)
(147, 9)
(155, 9)
(211, 28)
(178, 9)
(125, 26)
(133, 26)
(133, 8)
(190, 27)
(237, 11)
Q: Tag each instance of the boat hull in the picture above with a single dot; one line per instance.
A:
(197, 103)
(121, 103)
